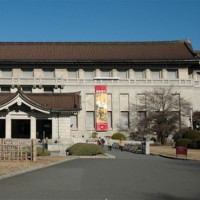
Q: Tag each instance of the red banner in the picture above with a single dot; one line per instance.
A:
(101, 108)
(100, 89)
(181, 150)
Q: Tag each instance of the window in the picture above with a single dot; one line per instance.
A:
(90, 119)
(155, 74)
(27, 73)
(105, 73)
(48, 89)
(27, 89)
(6, 73)
(48, 73)
(89, 74)
(5, 88)
(124, 119)
(72, 74)
(139, 74)
(172, 74)
(141, 114)
(122, 74)
(74, 121)
(109, 119)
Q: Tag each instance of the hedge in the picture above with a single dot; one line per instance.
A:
(84, 149)
(118, 136)
(184, 142)
(192, 134)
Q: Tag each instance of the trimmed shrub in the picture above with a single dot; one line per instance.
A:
(192, 134)
(118, 136)
(83, 149)
(41, 153)
(184, 142)
(94, 135)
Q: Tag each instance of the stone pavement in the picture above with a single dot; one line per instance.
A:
(129, 176)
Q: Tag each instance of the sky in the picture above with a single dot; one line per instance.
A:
(99, 20)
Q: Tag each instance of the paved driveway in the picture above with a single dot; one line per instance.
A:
(129, 176)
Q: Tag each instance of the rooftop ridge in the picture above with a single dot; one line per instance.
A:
(94, 42)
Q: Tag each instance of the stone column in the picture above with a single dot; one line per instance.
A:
(97, 73)
(183, 73)
(148, 74)
(8, 126)
(81, 73)
(164, 74)
(33, 127)
(195, 76)
(114, 73)
(131, 73)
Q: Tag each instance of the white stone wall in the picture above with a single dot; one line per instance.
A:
(121, 95)
(64, 127)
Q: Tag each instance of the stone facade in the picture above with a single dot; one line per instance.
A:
(124, 80)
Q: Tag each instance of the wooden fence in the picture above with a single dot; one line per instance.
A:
(14, 149)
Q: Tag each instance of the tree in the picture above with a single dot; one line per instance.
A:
(162, 110)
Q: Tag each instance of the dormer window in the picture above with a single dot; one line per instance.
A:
(6, 73)
(139, 74)
(27, 73)
(48, 73)
(105, 73)
(156, 74)
(72, 74)
(172, 74)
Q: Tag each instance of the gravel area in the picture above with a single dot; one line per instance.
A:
(193, 154)
(7, 167)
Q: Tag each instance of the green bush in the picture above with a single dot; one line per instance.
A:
(94, 135)
(83, 149)
(192, 134)
(184, 142)
(118, 136)
(40, 152)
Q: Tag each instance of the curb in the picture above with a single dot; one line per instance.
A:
(107, 156)
(34, 168)
(173, 158)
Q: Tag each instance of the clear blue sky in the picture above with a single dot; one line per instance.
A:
(100, 20)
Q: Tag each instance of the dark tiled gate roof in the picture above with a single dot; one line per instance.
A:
(60, 102)
(96, 51)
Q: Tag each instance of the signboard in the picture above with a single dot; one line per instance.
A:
(101, 108)
(181, 150)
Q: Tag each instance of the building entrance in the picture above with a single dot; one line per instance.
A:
(2, 128)
(44, 128)
(20, 128)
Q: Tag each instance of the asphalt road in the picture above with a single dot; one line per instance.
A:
(129, 176)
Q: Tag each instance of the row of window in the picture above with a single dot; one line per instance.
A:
(155, 74)
(27, 89)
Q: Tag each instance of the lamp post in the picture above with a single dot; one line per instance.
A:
(191, 119)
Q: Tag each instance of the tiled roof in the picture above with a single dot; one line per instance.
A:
(61, 101)
(52, 102)
(198, 53)
(95, 51)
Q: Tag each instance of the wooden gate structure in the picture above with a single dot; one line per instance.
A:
(18, 149)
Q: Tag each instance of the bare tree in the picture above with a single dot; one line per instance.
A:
(162, 110)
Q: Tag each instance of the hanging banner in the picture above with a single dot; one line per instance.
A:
(101, 108)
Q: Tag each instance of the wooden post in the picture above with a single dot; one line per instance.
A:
(33, 150)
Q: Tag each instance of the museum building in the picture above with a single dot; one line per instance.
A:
(67, 90)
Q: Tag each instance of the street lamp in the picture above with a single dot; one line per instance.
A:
(191, 112)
